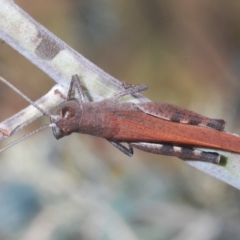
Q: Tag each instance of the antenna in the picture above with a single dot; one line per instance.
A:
(54, 118)
(45, 112)
(27, 135)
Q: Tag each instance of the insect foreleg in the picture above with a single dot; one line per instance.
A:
(182, 152)
(119, 146)
(75, 82)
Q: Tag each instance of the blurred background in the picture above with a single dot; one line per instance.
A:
(80, 187)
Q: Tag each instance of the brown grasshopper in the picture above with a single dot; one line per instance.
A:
(153, 127)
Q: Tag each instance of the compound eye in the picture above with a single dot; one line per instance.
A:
(67, 112)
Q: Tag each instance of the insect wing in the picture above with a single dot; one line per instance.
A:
(136, 126)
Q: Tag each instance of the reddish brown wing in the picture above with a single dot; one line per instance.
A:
(136, 126)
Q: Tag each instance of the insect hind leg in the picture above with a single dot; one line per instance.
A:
(177, 114)
(218, 124)
(182, 152)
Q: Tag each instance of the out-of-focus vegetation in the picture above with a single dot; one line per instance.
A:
(80, 187)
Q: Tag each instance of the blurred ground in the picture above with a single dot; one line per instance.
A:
(188, 53)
